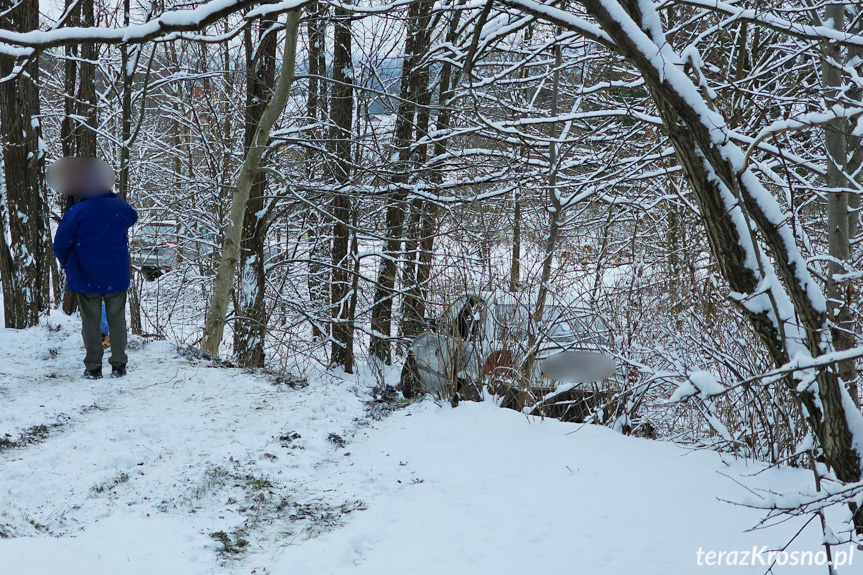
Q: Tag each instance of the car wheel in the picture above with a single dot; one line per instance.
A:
(468, 390)
(151, 274)
(409, 383)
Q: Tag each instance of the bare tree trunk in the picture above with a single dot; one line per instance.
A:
(341, 114)
(24, 260)
(127, 75)
(70, 81)
(250, 327)
(673, 258)
(429, 217)
(416, 44)
(554, 208)
(515, 259)
(600, 256)
(413, 305)
(67, 125)
(318, 230)
(854, 143)
(409, 325)
(214, 325)
(840, 225)
(316, 103)
(78, 127)
(87, 86)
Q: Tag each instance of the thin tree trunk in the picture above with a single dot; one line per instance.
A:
(554, 208)
(250, 327)
(416, 44)
(515, 259)
(127, 75)
(87, 144)
(341, 114)
(70, 80)
(841, 227)
(319, 275)
(413, 305)
(429, 219)
(214, 324)
(79, 138)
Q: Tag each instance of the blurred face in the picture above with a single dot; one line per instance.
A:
(81, 177)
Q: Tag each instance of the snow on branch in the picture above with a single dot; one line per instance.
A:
(796, 29)
(701, 383)
(562, 18)
(187, 20)
(804, 122)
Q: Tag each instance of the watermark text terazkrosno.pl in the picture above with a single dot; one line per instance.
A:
(766, 557)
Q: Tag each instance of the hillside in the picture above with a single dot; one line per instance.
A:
(185, 468)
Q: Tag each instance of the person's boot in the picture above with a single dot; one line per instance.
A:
(118, 371)
(106, 341)
(93, 373)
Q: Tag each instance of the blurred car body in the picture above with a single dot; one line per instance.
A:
(486, 336)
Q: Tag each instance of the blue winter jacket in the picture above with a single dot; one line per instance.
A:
(91, 244)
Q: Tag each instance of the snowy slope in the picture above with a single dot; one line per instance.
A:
(184, 468)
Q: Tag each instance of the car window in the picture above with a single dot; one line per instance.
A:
(559, 323)
(510, 322)
(464, 318)
(156, 230)
(448, 318)
(469, 321)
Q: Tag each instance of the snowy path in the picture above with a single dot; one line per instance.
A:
(140, 472)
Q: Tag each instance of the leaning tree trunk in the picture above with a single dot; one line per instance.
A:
(729, 197)
(24, 259)
(250, 326)
(341, 114)
(217, 310)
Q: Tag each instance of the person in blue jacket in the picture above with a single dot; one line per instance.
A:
(92, 248)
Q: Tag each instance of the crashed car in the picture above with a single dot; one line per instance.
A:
(153, 248)
(483, 339)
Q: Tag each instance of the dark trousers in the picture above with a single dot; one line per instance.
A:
(91, 318)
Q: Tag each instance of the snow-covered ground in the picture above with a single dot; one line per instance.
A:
(184, 468)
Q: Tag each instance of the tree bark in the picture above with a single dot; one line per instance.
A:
(728, 199)
(23, 260)
(416, 44)
(78, 127)
(413, 304)
(341, 114)
(841, 227)
(319, 276)
(250, 327)
(127, 75)
(554, 208)
(214, 324)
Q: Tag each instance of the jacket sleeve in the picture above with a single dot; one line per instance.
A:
(132, 216)
(65, 237)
